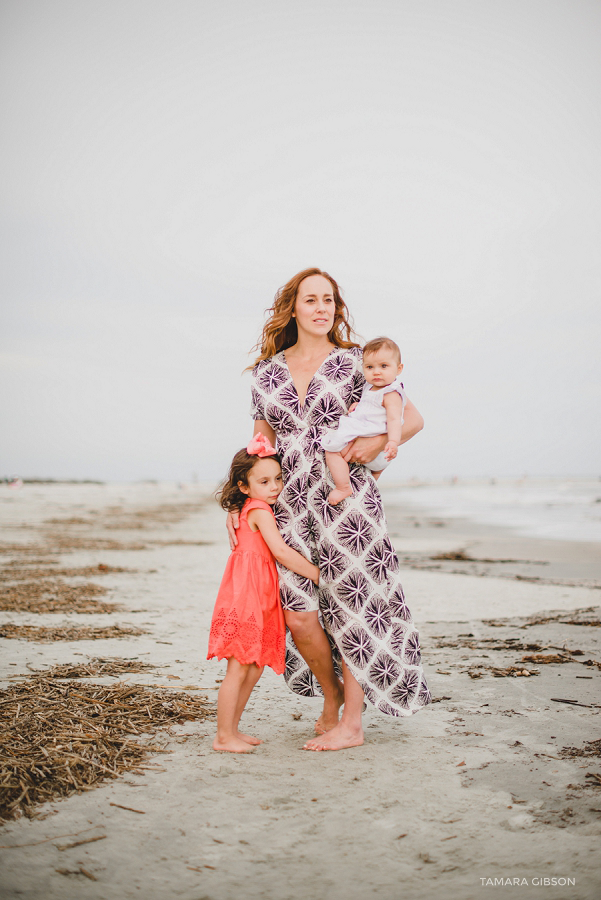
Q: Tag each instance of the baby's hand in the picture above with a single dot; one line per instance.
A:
(390, 450)
(352, 408)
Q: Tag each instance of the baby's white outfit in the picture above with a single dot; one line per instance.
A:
(366, 420)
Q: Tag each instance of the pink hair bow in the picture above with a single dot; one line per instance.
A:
(260, 446)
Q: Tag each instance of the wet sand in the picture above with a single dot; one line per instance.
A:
(477, 786)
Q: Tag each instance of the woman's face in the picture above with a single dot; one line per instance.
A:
(315, 309)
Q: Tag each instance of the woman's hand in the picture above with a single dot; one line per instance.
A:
(232, 522)
(364, 449)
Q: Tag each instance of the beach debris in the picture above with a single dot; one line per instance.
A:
(546, 658)
(55, 837)
(141, 812)
(571, 702)
(47, 634)
(463, 556)
(590, 748)
(479, 670)
(461, 641)
(59, 738)
(97, 666)
(79, 871)
(595, 777)
(90, 840)
(54, 595)
(575, 617)
(16, 570)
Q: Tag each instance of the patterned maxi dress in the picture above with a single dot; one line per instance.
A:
(360, 598)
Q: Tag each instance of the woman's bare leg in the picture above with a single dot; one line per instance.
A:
(349, 731)
(228, 702)
(314, 647)
(252, 676)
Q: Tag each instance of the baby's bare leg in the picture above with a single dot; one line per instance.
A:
(377, 474)
(340, 473)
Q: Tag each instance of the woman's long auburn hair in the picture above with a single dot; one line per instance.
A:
(280, 331)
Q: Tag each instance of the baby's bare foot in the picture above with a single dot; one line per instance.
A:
(339, 738)
(232, 745)
(338, 494)
(249, 739)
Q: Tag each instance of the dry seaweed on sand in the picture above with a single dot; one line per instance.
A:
(468, 641)
(60, 738)
(588, 615)
(498, 672)
(590, 748)
(20, 570)
(96, 667)
(47, 634)
(54, 595)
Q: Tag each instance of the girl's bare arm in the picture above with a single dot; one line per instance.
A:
(284, 554)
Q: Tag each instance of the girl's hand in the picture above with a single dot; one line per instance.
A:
(232, 523)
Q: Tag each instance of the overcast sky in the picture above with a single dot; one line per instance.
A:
(166, 166)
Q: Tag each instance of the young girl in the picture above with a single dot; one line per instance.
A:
(379, 410)
(248, 626)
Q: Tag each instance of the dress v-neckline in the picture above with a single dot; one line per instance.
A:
(311, 380)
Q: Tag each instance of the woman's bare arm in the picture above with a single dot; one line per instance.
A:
(284, 554)
(365, 449)
(232, 521)
(262, 427)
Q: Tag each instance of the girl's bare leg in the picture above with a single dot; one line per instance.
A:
(228, 703)
(314, 647)
(349, 731)
(340, 473)
(253, 675)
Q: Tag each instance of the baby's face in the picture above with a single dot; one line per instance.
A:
(382, 367)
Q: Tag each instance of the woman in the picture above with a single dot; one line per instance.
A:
(307, 375)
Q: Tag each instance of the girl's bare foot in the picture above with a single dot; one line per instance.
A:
(232, 745)
(339, 494)
(331, 711)
(249, 739)
(339, 738)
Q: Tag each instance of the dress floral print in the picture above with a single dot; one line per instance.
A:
(360, 599)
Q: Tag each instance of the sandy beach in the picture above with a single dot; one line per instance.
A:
(480, 786)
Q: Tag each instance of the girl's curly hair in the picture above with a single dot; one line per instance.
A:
(229, 496)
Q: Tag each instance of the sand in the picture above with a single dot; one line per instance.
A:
(472, 788)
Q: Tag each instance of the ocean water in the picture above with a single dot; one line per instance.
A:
(555, 508)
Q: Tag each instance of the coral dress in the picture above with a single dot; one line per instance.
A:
(248, 622)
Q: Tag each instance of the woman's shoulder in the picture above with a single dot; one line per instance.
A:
(276, 360)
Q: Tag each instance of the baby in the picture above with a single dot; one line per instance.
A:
(379, 410)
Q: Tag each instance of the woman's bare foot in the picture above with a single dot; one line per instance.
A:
(249, 739)
(339, 494)
(339, 738)
(232, 745)
(331, 712)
